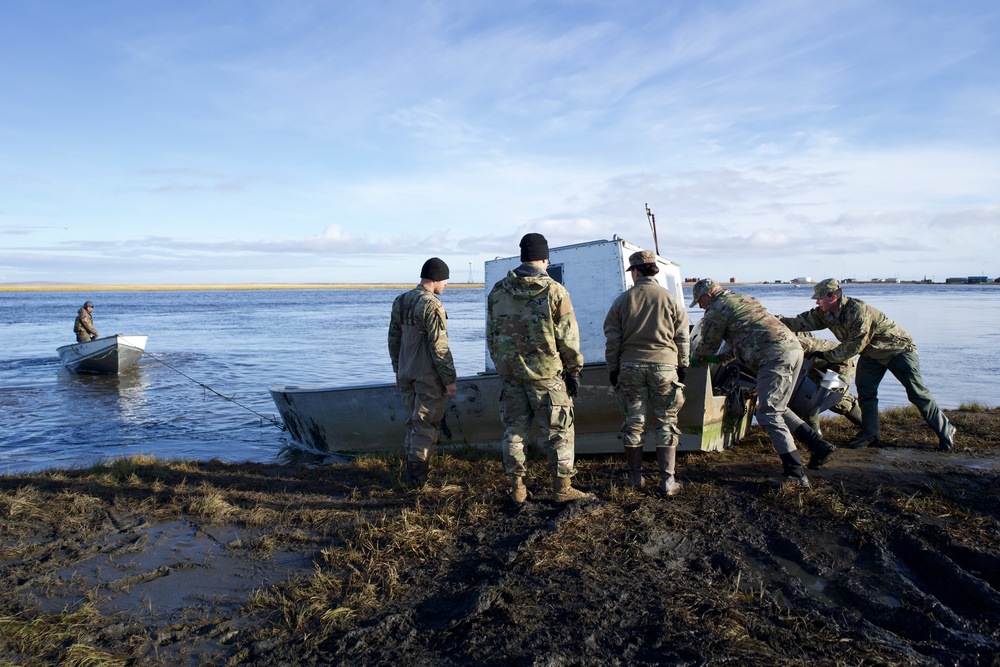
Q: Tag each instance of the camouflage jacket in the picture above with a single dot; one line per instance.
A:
(646, 324)
(84, 323)
(753, 333)
(531, 331)
(418, 336)
(860, 328)
(811, 343)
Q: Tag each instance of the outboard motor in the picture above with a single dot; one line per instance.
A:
(810, 398)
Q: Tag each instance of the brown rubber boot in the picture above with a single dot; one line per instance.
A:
(518, 491)
(563, 491)
(633, 457)
(666, 458)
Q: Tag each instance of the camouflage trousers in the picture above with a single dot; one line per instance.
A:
(775, 383)
(545, 404)
(643, 386)
(425, 403)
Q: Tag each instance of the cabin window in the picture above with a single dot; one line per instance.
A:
(555, 271)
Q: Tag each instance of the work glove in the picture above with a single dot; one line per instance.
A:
(614, 378)
(682, 373)
(816, 354)
(696, 362)
(572, 384)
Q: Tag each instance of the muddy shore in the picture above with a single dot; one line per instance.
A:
(891, 558)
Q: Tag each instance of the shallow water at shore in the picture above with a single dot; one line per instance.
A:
(240, 342)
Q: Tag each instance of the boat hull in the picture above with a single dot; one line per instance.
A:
(372, 417)
(106, 356)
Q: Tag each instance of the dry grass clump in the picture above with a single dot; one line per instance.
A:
(593, 532)
(900, 416)
(58, 639)
(210, 504)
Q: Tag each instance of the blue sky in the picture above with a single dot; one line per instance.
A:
(293, 140)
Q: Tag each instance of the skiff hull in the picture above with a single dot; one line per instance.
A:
(372, 417)
(107, 356)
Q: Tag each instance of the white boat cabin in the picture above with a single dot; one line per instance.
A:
(594, 273)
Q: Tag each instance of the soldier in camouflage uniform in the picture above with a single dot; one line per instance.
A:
(534, 341)
(422, 361)
(848, 404)
(83, 326)
(883, 345)
(647, 349)
(768, 349)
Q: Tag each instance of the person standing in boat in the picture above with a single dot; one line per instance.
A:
(647, 346)
(423, 364)
(883, 346)
(765, 346)
(83, 327)
(534, 341)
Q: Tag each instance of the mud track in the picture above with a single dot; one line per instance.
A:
(891, 558)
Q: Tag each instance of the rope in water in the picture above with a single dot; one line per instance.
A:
(263, 418)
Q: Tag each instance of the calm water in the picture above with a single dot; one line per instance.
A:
(239, 343)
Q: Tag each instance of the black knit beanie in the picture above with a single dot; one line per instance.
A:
(534, 247)
(434, 269)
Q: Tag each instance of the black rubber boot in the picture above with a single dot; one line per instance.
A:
(860, 441)
(792, 469)
(820, 450)
(416, 473)
(633, 457)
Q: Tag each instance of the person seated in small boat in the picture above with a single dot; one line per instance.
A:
(83, 327)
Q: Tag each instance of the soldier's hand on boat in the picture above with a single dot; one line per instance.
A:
(696, 362)
(682, 373)
(816, 354)
(572, 384)
(451, 389)
(614, 378)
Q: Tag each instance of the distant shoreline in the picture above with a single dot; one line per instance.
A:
(206, 287)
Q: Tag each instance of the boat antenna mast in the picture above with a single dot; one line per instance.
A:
(652, 226)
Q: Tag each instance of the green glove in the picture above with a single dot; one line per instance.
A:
(696, 362)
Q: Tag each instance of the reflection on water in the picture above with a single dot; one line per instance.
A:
(241, 342)
(121, 395)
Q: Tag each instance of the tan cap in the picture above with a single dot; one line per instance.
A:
(640, 258)
(702, 287)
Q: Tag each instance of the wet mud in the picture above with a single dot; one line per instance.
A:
(890, 558)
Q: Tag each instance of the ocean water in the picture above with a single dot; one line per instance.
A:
(202, 389)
